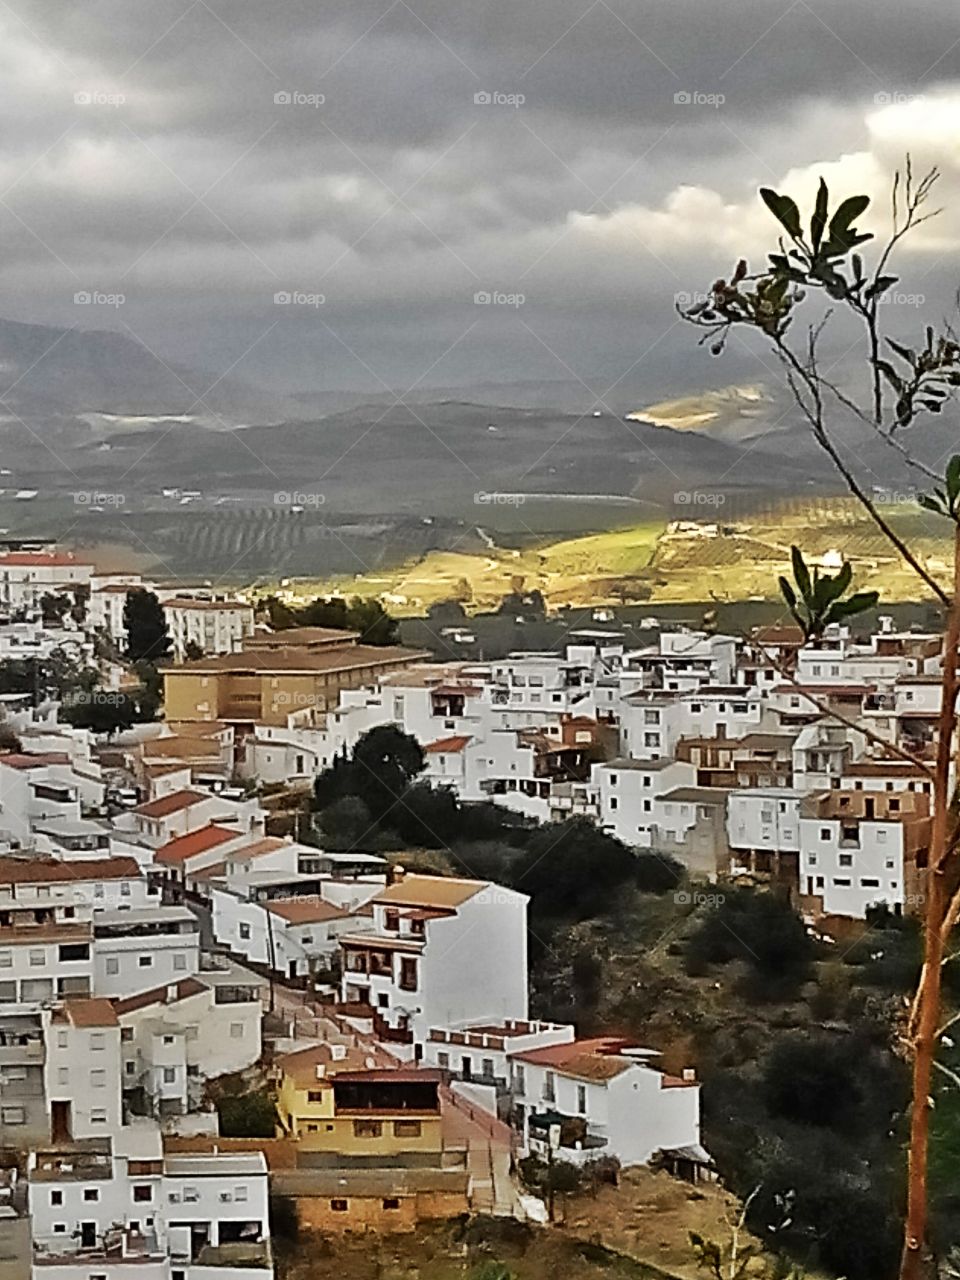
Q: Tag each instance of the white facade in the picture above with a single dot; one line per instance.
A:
(215, 626)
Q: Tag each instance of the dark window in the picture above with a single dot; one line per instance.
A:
(74, 951)
(338, 1206)
(391, 1202)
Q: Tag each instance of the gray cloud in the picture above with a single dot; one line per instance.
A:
(142, 149)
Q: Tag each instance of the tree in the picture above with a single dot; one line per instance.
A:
(759, 928)
(192, 651)
(366, 616)
(100, 711)
(148, 637)
(383, 763)
(822, 267)
(247, 1115)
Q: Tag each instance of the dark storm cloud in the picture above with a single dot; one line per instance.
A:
(148, 147)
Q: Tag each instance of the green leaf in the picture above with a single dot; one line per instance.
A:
(880, 285)
(788, 593)
(930, 503)
(801, 574)
(847, 213)
(819, 220)
(784, 210)
(858, 603)
(953, 480)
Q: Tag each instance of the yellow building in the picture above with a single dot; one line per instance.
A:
(329, 1105)
(266, 682)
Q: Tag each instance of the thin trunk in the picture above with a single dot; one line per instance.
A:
(913, 1263)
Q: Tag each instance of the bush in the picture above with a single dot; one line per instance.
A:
(761, 929)
(247, 1115)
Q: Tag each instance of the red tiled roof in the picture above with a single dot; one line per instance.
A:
(57, 871)
(596, 1059)
(456, 743)
(305, 910)
(28, 760)
(20, 559)
(173, 803)
(95, 1012)
(178, 850)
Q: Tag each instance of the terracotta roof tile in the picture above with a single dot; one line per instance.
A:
(178, 850)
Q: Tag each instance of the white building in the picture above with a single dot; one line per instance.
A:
(603, 1097)
(628, 790)
(27, 576)
(440, 951)
(82, 1070)
(135, 949)
(215, 626)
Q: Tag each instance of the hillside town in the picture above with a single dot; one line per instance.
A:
(176, 943)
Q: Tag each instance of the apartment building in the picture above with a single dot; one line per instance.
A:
(123, 1207)
(268, 680)
(82, 1069)
(214, 626)
(137, 948)
(861, 849)
(27, 576)
(438, 951)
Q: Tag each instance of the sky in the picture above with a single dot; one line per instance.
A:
(381, 194)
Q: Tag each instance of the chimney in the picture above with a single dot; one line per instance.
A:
(321, 1070)
(689, 1075)
(172, 991)
(397, 873)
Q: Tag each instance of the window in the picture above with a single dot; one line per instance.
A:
(841, 883)
(179, 961)
(37, 956)
(98, 1078)
(613, 803)
(519, 1079)
(613, 779)
(443, 1060)
(240, 1193)
(6, 959)
(169, 1075)
(846, 859)
(314, 1095)
(406, 1128)
(244, 931)
(91, 1195)
(126, 1034)
(236, 1030)
(486, 1067)
(367, 1128)
(582, 1099)
(113, 964)
(391, 1202)
(98, 1040)
(145, 962)
(63, 1075)
(867, 883)
(60, 1228)
(168, 1039)
(56, 1197)
(98, 1116)
(13, 1115)
(124, 888)
(339, 1206)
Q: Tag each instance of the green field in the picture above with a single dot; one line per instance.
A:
(661, 563)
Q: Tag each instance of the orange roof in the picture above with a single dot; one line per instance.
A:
(305, 910)
(90, 1013)
(596, 1059)
(258, 848)
(456, 743)
(183, 847)
(173, 803)
(430, 891)
(45, 870)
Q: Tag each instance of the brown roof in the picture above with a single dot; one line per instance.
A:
(183, 847)
(597, 1059)
(56, 871)
(305, 910)
(173, 803)
(294, 636)
(310, 661)
(430, 891)
(301, 1065)
(159, 995)
(207, 604)
(91, 1013)
(453, 744)
(257, 848)
(181, 745)
(33, 760)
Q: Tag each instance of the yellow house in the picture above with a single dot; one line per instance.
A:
(266, 684)
(329, 1105)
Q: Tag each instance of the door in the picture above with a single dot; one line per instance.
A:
(60, 1122)
(88, 1235)
(292, 968)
